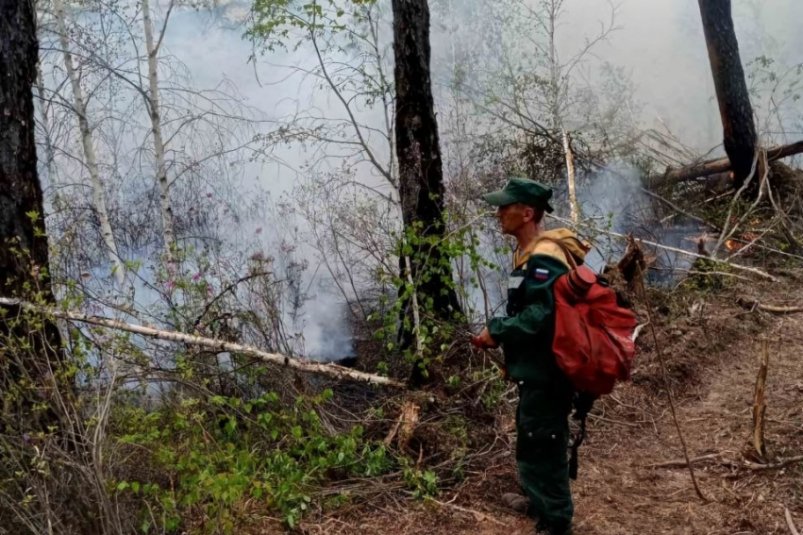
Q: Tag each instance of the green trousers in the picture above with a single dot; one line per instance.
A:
(542, 440)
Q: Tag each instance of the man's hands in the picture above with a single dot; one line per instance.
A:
(483, 340)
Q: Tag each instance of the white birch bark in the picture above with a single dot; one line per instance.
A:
(152, 49)
(332, 370)
(87, 142)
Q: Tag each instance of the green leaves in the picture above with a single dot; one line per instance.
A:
(274, 21)
(220, 452)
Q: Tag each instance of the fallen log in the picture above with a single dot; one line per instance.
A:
(331, 370)
(673, 175)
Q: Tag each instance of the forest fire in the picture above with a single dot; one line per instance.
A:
(742, 243)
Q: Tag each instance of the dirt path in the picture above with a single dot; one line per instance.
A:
(712, 350)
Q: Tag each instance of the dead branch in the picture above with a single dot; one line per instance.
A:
(637, 331)
(780, 463)
(719, 165)
(333, 370)
(789, 522)
(681, 463)
(728, 233)
(759, 406)
(478, 515)
(751, 304)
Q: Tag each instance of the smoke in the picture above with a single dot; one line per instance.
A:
(658, 47)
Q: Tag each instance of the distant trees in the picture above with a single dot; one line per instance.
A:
(126, 123)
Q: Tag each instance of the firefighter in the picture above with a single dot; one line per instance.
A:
(525, 335)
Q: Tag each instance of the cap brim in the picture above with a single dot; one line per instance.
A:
(499, 198)
(548, 208)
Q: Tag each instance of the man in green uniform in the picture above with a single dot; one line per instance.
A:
(525, 334)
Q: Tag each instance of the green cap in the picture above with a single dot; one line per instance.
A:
(522, 190)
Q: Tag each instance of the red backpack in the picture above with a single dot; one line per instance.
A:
(593, 342)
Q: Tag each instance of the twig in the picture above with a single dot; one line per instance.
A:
(334, 370)
(676, 208)
(408, 272)
(479, 516)
(790, 522)
(665, 374)
(726, 233)
(683, 463)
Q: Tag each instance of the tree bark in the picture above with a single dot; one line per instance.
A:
(152, 49)
(739, 131)
(30, 347)
(87, 142)
(421, 187)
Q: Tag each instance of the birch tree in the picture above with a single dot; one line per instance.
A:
(154, 112)
(88, 145)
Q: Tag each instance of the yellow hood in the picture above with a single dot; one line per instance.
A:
(545, 245)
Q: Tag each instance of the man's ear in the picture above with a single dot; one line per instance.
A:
(528, 213)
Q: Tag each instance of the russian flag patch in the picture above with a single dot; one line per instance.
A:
(541, 274)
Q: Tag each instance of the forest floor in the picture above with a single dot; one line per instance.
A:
(712, 346)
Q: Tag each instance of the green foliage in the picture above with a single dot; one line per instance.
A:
(275, 20)
(434, 332)
(422, 483)
(210, 458)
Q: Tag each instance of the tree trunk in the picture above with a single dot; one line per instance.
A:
(29, 368)
(421, 186)
(739, 131)
(87, 142)
(152, 49)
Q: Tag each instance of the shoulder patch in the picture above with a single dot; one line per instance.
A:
(541, 274)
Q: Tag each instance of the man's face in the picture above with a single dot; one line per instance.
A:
(513, 216)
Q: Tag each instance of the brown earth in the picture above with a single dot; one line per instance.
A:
(711, 346)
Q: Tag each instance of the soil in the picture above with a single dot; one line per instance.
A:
(711, 348)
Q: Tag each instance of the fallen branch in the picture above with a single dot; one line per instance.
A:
(478, 516)
(781, 463)
(719, 165)
(759, 406)
(751, 304)
(333, 370)
(682, 463)
(637, 331)
(789, 522)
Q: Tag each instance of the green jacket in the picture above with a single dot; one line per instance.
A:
(526, 333)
